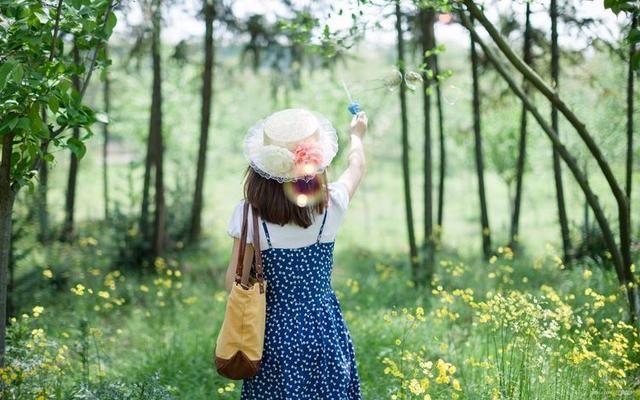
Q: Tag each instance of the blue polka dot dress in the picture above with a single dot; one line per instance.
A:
(308, 352)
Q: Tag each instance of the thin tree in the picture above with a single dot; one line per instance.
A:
(146, 184)
(72, 180)
(477, 136)
(43, 191)
(149, 158)
(557, 167)
(7, 198)
(155, 131)
(522, 143)
(205, 118)
(442, 150)
(153, 231)
(413, 249)
(427, 17)
(106, 99)
(630, 93)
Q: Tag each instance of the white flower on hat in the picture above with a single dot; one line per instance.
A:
(276, 159)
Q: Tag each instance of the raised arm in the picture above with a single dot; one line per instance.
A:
(353, 174)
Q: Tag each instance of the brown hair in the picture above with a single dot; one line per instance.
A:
(270, 200)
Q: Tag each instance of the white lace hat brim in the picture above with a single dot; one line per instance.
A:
(271, 161)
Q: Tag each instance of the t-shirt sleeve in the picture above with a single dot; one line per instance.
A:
(339, 195)
(234, 228)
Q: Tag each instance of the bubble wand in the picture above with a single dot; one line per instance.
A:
(354, 107)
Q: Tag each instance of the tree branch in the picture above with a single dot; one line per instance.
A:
(56, 27)
(85, 84)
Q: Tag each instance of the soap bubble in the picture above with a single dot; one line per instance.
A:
(392, 81)
(412, 78)
(451, 94)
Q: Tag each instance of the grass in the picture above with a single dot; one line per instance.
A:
(167, 325)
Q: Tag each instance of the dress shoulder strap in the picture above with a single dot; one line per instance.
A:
(324, 219)
(266, 232)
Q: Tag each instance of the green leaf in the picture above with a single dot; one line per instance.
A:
(64, 86)
(42, 17)
(18, 73)
(12, 124)
(77, 147)
(88, 134)
(48, 157)
(609, 3)
(62, 120)
(5, 126)
(54, 104)
(5, 70)
(31, 185)
(24, 123)
(89, 25)
(37, 125)
(634, 35)
(613, 4)
(112, 20)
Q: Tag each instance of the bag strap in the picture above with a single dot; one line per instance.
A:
(243, 244)
(257, 254)
(257, 251)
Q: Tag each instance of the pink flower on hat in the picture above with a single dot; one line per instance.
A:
(308, 154)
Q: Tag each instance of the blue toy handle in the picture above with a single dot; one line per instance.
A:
(354, 107)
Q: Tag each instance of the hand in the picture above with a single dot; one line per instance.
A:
(359, 124)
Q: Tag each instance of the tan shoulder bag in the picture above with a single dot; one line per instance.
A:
(238, 349)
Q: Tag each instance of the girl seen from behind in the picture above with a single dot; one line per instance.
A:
(308, 352)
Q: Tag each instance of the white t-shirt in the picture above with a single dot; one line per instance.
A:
(291, 235)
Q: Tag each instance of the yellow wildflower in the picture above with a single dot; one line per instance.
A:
(78, 289)
(37, 310)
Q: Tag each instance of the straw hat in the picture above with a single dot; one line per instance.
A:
(291, 144)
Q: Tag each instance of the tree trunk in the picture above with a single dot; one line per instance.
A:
(443, 154)
(205, 118)
(587, 223)
(7, 196)
(557, 168)
(156, 132)
(149, 159)
(522, 145)
(622, 269)
(43, 189)
(146, 184)
(70, 198)
(413, 249)
(427, 20)
(484, 213)
(630, 93)
(11, 306)
(106, 96)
